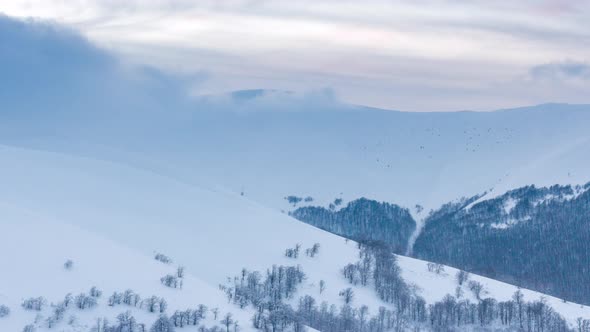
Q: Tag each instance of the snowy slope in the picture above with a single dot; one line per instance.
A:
(342, 151)
(121, 154)
(214, 234)
(435, 286)
(35, 249)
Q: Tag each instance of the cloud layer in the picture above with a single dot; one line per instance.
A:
(53, 78)
(412, 55)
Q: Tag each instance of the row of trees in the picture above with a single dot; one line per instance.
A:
(81, 301)
(190, 317)
(411, 309)
(279, 283)
(126, 322)
(534, 316)
(378, 267)
(309, 252)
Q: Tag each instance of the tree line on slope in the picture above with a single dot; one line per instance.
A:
(363, 219)
(271, 295)
(538, 238)
(530, 237)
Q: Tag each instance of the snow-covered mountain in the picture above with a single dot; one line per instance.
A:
(61, 93)
(109, 219)
(106, 165)
(36, 248)
(338, 152)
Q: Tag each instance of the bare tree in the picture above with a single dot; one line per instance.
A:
(227, 321)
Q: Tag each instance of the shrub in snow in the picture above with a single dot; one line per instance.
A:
(436, 268)
(84, 301)
(227, 321)
(171, 281)
(125, 322)
(59, 311)
(311, 252)
(4, 311)
(151, 304)
(462, 277)
(95, 292)
(162, 324)
(163, 258)
(347, 294)
(50, 322)
(476, 288)
(69, 264)
(293, 199)
(29, 328)
(293, 252)
(68, 300)
(180, 272)
(34, 303)
(188, 317)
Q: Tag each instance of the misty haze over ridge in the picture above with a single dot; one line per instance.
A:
(63, 94)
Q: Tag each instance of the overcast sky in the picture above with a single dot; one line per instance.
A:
(413, 55)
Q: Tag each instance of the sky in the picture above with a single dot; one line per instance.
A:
(411, 55)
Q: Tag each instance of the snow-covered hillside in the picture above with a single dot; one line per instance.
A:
(35, 250)
(106, 164)
(110, 218)
(337, 152)
(435, 286)
(270, 144)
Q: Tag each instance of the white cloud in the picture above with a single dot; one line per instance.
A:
(377, 52)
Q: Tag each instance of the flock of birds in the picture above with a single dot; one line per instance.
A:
(472, 140)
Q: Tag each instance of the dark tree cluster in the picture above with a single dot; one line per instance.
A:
(266, 293)
(188, 317)
(69, 264)
(294, 200)
(4, 311)
(363, 220)
(84, 301)
(435, 267)
(538, 238)
(163, 258)
(81, 302)
(125, 322)
(34, 303)
(151, 304)
(293, 252)
(329, 318)
(515, 314)
(29, 328)
(314, 250)
(95, 292)
(162, 324)
(279, 283)
(172, 281)
(411, 310)
(583, 325)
